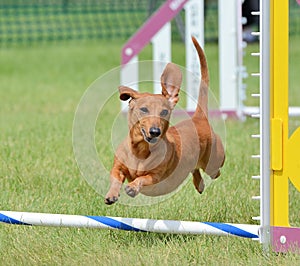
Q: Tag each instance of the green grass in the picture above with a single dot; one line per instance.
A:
(40, 90)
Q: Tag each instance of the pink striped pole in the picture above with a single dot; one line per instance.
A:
(143, 36)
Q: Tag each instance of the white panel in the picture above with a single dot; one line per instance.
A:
(130, 77)
(194, 20)
(161, 54)
(228, 55)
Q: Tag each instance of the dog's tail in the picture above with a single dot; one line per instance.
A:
(203, 92)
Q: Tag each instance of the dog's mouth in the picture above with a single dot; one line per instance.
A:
(150, 140)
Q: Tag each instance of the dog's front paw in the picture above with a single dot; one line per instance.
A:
(110, 199)
(131, 191)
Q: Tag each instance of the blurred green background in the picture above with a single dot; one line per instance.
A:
(34, 21)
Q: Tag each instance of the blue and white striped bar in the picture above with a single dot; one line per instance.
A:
(130, 224)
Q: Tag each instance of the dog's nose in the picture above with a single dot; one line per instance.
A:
(154, 132)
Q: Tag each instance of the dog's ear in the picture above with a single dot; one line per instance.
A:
(171, 80)
(127, 93)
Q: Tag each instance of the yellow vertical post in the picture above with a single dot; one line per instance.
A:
(279, 112)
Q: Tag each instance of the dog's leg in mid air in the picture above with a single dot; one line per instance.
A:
(133, 188)
(115, 185)
(198, 181)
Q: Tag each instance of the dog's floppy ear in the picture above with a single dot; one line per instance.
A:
(127, 93)
(171, 80)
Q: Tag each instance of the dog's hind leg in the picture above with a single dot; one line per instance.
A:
(216, 159)
(198, 181)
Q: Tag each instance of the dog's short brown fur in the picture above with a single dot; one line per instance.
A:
(156, 158)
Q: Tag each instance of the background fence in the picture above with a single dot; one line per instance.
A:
(31, 21)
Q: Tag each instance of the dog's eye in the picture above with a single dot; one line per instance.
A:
(144, 110)
(164, 112)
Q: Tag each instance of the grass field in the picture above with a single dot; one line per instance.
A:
(40, 90)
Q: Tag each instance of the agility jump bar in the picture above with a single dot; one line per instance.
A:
(129, 224)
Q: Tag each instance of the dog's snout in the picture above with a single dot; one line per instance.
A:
(154, 132)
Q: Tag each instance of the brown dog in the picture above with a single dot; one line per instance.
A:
(156, 158)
